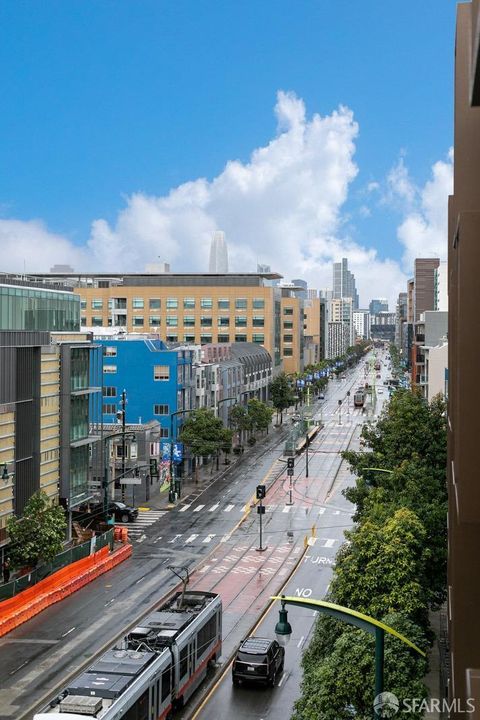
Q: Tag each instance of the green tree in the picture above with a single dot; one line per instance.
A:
(204, 434)
(380, 568)
(340, 685)
(240, 420)
(281, 394)
(38, 535)
(260, 414)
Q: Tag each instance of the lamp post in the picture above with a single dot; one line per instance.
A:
(283, 630)
(171, 492)
(219, 402)
(106, 482)
(348, 402)
(339, 412)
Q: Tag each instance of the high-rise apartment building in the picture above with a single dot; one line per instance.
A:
(400, 320)
(440, 286)
(344, 282)
(464, 387)
(424, 285)
(340, 312)
(218, 253)
(361, 322)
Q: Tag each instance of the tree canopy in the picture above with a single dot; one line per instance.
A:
(38, 535)
(204, 433)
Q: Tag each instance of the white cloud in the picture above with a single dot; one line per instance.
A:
(423, 231)
(283, 207)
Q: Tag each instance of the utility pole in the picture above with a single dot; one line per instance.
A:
(307, 443)
(261, 492)
(339, 412)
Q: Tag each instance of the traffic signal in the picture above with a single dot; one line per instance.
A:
(291, 463)
(153, 467)
(261, 492)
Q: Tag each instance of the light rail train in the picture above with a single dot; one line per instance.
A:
(153, 669)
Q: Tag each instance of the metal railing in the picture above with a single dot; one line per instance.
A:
(10, 589)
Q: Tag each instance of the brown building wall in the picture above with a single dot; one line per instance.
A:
(292, 334)
(424, 286)
(464, 389)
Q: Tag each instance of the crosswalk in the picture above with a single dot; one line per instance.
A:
(144, 520)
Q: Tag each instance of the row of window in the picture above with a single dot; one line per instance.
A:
(173, 303)
(160, 372)
(158, 409)
(172, 321)
(205, 338)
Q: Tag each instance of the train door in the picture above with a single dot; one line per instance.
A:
(153, 704)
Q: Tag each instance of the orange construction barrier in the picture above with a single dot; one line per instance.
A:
(30, 602)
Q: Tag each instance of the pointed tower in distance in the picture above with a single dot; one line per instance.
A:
(218, 253)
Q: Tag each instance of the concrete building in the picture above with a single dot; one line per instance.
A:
(344, 282)
(400, 320)
(302, 286)
(340, 311)
(430, 331)
(424, 285)
(436, 371)
(218, 262)
(382, 326)
(188, 308)
(292, 337)
(440, 285)
(378, 305)
(464, 351)
(337, 339)
(361, 323)
(313, 317)
(47, 381)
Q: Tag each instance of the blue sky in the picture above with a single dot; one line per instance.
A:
(104, 101)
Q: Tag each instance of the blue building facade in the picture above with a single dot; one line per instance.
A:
(158, 381)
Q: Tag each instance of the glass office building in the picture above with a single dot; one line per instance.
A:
(30, 308)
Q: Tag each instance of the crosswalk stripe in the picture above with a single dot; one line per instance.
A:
(191, 538)
(214, 507)
(329, 543)
(321, 511)
(228, 508)
(209, 538)
(286, 509)
(185, 507)
(198, 508)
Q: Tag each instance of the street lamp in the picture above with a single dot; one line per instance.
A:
(348, 402)
(283, 629)
(339, 412)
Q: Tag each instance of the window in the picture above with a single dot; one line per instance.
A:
(172, 303)
(109, 409)
(287, 352)
(166, 683)
(258, 303)
(172, 321)
(154, 320)
(206, 303)
(205, 321)
(189, 303)
(97, 304)
(287, 325)
(154, 304)
(223, 304)
(97, 320)
(119, 303)
(288, 338)
(83, 320)
(109, 391)
(258, 338)
(172, 337)
(288, 311)
(258, 321)
(161, 410)
(138, 321)
(189, 321)
(241, 321)
(137, 303)
(205, 338)
(241, 303)
(189, 338)
(240, 338)
(223, 338)
(109, 369)
(161, 372)
(206, 635)
(83, 304)
(184, 661)
(223, 322)
(110, 351)
(164, 432)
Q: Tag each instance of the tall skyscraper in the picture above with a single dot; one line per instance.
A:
(218, 253)
(344, 282)
(424, 294)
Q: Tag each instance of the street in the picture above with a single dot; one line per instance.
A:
(207, 526)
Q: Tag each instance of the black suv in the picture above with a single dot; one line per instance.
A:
(259, 660)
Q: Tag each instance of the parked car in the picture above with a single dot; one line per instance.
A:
(380, 391)
(258, 660)
(321, 396)
(121, 512)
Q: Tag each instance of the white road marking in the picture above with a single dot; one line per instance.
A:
(191, 538)
(312, 540)
(228, 508)
(329, 543)
(198, 508)
(176, 536)
(321, 511)
(300, 642)
(68, 632)
(286, 509)
(282, 679)
(209, 538)
(214, 507)
(185, 507)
